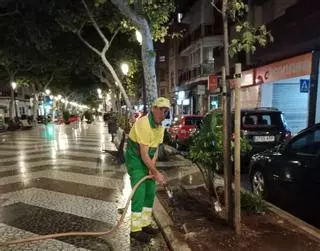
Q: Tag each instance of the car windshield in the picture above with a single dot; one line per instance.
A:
(261, 120)
(193, 121)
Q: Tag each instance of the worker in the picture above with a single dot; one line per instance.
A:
(142, 151)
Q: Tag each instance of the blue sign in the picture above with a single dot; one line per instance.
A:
(304, 85)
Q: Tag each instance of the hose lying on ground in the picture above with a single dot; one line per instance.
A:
(52, 236)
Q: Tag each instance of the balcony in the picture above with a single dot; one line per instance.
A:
(203, 70)
(209, 30)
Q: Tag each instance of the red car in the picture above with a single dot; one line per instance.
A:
(181, 129)
(74, 118)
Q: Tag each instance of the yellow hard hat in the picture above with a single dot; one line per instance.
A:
(161, 102)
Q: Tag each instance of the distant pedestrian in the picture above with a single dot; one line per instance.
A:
(142, 151)
(112, 126)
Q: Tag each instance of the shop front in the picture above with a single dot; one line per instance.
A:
(285, 85)
(214, 93)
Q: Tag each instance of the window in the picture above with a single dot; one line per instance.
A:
(309, 143)
(260, 120)
(193, 121)
(162, 59)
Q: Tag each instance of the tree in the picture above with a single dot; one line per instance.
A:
(12, 63)
(249, 37)
(150, 18)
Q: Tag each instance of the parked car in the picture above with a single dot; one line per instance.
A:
(290, 171)
(264, 127)
(74, 118)
(181, 129)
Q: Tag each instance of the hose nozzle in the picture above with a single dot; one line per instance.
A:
(168, 190)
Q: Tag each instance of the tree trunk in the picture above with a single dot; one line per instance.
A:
(115, 76)
(149, 60)
(227, 119)
(35, 104)
(148, 53)
(113, 101)
(11, 104)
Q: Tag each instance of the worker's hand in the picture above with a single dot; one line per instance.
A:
(159, 178)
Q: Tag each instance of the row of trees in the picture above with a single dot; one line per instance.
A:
(50, 43)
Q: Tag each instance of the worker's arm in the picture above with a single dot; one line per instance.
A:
(151, 163)
(155, 157)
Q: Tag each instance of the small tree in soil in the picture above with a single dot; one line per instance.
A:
(206, 151)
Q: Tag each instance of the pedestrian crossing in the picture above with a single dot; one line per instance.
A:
(55, 178)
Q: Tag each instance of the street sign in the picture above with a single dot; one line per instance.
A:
(304, 85)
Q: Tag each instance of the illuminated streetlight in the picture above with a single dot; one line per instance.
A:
(48, 91)
(14, 85)
(125, 68)
(139, 36)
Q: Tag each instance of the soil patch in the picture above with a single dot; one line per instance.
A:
(203, 231)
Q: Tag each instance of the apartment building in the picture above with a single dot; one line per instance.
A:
(195, 56)
(22, 98)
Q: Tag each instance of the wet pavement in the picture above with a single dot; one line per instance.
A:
(55, 178)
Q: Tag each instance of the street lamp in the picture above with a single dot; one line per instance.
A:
(125, 68)
(14, 86)
(139, 37)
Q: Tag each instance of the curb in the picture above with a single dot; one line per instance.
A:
(304, 226)
(165, 224)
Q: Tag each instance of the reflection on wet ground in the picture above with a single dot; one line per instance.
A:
(50, 182)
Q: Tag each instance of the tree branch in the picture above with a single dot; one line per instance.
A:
(215, 6)
(96, 26)
(10, 13)
(50, 80)
(124, 7)
(87, 43)
(114, 35)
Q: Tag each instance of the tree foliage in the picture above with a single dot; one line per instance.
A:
(248, 37)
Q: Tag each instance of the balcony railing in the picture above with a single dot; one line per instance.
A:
(201, 71)
(209, 30)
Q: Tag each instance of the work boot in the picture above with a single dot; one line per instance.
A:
(150, 230)
(140, 236)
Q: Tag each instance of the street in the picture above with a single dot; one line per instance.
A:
(53, 179)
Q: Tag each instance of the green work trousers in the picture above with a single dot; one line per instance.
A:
(144, 195)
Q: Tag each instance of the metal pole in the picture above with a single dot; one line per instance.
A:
(237, 191)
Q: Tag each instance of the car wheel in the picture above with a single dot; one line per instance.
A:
(258, 183)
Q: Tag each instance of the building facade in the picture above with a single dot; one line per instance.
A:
(284, 74)
(23, 101)
(195, 56)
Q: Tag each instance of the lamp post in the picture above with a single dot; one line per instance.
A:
(14, 86)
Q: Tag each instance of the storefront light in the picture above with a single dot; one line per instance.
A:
(186, 102)
(181, 95)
